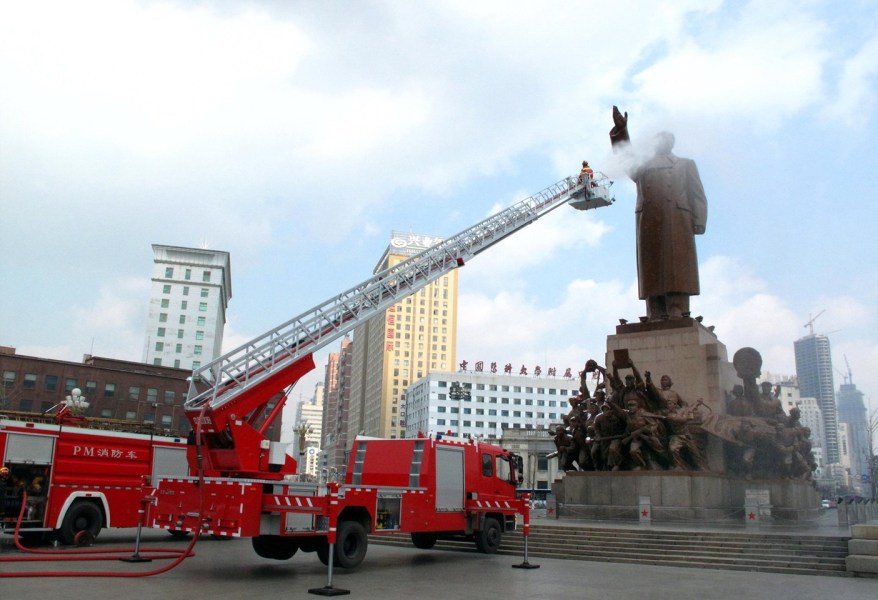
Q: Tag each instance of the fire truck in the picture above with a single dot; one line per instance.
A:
(77, 475)
(429, 487)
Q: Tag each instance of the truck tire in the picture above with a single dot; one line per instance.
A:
(81, 516)
(274, 547)
(351, 543)
(489, 536)
(424, 541)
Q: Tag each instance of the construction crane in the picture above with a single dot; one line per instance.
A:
(810, 323)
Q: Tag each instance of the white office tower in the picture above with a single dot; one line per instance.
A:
(308, 430)
(191, 289)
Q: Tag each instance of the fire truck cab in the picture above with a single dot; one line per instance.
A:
(434, 488)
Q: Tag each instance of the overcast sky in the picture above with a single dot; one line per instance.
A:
(298, 135)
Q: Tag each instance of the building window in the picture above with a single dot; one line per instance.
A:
(51, 383)
(134, 393)
(163, 317)
(185, 290)
(166, 303)
(157, 362)
(91, 387)
(166, 289)
(202, 321)
(206, 276)
(184, 304)
(177, 363)
(196, 364)
(131, 415)
(160, 332)
(197, 350)
(169, 271)
(8, 378)
(166, 421)
(204, 292)
(107, 413)
(199, 335)
(188, 274)
(180, 334)
(26, 405)
(179, 348)
(151, 395)
(69, 384)
(159, 346)
(202, 307)
(30, 381)
(182, 319)
(169, 397)
(109, 390)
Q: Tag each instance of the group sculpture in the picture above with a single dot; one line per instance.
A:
(631, 423)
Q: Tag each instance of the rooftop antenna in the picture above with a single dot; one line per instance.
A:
(810, 323)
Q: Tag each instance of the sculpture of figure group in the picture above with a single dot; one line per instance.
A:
(631, 423)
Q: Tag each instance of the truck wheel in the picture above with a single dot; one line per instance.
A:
(82, 516)
(274, 547)
(323, 552)
(350, 544)
(488, 538)
(424, 541)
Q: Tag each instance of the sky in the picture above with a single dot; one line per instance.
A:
(298, 135)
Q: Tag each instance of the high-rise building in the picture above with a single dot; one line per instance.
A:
(412, 338)
(191, 289)
(814, 372)
(852, 411)
(307, 431)
(336, 397)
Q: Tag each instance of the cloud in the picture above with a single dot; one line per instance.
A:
(856, 86)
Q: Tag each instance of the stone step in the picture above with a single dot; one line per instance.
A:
(770, 553)
(838, 553)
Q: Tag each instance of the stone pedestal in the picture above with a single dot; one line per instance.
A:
(696, 361)
(678, 496)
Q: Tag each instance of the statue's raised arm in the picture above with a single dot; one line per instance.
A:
(619, 132)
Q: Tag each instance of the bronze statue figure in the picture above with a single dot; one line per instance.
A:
(639, 425)
(671, 210)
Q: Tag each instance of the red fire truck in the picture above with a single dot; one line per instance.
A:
(79, 474)
(244, 485)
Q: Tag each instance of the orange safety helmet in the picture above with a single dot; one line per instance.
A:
(4, 471)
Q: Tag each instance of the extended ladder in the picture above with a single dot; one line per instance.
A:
(223, 380)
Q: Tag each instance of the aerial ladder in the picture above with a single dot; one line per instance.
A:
(227, 397)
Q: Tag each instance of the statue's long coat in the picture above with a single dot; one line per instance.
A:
(671, 209)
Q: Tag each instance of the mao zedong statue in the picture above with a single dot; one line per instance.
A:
(671, 210)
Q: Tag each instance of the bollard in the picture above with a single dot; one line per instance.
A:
(842, 513)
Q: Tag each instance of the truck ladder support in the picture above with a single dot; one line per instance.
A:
(526, 526)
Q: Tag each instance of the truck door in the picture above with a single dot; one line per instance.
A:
(449, 479)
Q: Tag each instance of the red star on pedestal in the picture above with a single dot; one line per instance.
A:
(751, 516)
(644, 513)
